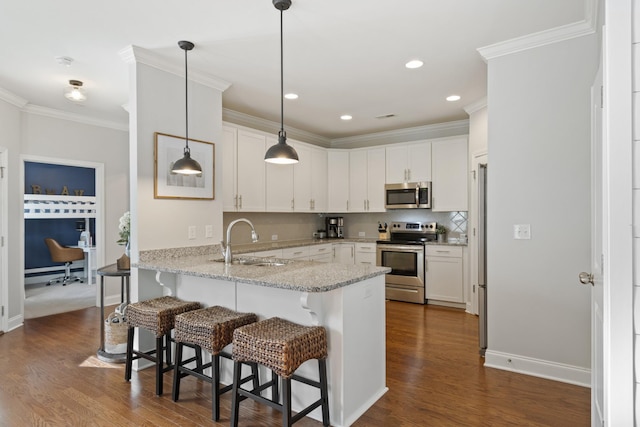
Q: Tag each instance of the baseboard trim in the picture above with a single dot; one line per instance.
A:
(538, 368)
(15, 322)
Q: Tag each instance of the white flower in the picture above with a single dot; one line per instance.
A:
(125, 228)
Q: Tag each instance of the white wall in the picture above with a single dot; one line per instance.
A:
(10, 123)
(539, 147)
(157, 105)
(26, 133)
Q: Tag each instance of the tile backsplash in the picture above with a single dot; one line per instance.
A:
(295, 226)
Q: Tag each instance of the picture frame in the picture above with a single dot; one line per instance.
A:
(167, 185)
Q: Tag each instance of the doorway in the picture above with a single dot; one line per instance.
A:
(60, 205)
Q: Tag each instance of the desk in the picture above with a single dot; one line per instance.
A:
(89, 262)
(112, 271)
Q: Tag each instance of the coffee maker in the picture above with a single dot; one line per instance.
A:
(335, 227)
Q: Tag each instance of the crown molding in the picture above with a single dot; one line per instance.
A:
(439, 130)
(269, 126)
(475, 106)
(12, 98)
(546, 37)
(135, 54)
(63, 115)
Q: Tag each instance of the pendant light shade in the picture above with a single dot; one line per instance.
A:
(281, 153)
(186, 165)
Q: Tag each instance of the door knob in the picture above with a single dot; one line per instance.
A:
(586, 278)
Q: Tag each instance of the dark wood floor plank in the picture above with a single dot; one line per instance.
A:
(434, 374)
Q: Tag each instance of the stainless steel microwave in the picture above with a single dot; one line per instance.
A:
(409, 195)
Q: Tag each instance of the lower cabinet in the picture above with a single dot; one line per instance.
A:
(300, 253)
(321, 253)
(365, 253)
(444, 273)
(344, 253)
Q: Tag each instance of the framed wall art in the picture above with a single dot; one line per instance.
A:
(169, 185)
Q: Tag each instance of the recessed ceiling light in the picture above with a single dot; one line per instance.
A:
(345, 117)
(291, 96)
(414, 63)
(452, 98)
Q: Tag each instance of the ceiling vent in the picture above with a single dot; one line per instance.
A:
(385, 116)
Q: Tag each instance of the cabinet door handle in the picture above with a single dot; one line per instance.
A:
(235, 201)
(292, 204)
(364, 202)
(408, 174)
(443, 252)
(240, 204)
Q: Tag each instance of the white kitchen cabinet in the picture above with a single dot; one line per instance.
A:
(444, 273)
(229, 166)
(273, 253)
(366, 180)
(344, 253)
(365, 253)
(408, 163)
(449, 185)
(300, 253)
(338, 181)
(278, 184)
(310, 179)
(243, 170)
(321, 253)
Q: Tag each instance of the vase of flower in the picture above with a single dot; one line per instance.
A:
(124, 227)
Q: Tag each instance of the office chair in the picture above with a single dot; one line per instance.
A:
(66, 255)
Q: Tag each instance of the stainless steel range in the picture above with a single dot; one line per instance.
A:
(404, 254)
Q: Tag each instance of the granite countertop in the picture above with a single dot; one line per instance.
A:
(306, 276)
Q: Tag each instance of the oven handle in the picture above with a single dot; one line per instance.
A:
(413, 291)
(417, 195)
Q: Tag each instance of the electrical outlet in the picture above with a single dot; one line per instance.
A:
(361, 234)
(192, 232)
(274, 237)
(522, 231)
(208, 231)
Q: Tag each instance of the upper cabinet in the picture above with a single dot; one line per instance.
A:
(338, 181)
(310, 179)
(408, 163)
(450, 172)
(243, 170)
(366, 180)
(279, 184)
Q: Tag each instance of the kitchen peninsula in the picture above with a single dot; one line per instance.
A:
(348, 300)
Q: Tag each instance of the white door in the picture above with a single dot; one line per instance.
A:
(594, 278)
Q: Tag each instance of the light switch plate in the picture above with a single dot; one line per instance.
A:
(361, 234)
(208, 231)
(274, 237)
(522, 231)
(192, 232)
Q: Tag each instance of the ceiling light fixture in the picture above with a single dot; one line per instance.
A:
(74, 92)
(281, 153)
(414, 63)
(186, 165)
(452, 98)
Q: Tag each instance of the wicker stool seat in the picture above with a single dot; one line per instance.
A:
(156, 315)
(282, 346)
(210, 329)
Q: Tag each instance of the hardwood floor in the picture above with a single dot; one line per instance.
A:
(50, 377)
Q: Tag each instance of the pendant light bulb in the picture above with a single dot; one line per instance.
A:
(281, 153)
(186, 165)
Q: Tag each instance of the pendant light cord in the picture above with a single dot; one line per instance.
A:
(186, 102)
(282, 132)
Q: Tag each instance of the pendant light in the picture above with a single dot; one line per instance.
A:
(186, 165)
(281, 153)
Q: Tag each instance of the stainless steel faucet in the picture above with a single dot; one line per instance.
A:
(226, 249)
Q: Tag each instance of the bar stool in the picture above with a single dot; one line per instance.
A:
(158, 316)
(281, 346)
(212, 329)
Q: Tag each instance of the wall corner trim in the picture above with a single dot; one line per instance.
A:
(135, 54)
(475, 106)
(12, 98)
(541, 38)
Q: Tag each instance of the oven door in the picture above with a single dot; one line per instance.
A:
(406, 280)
